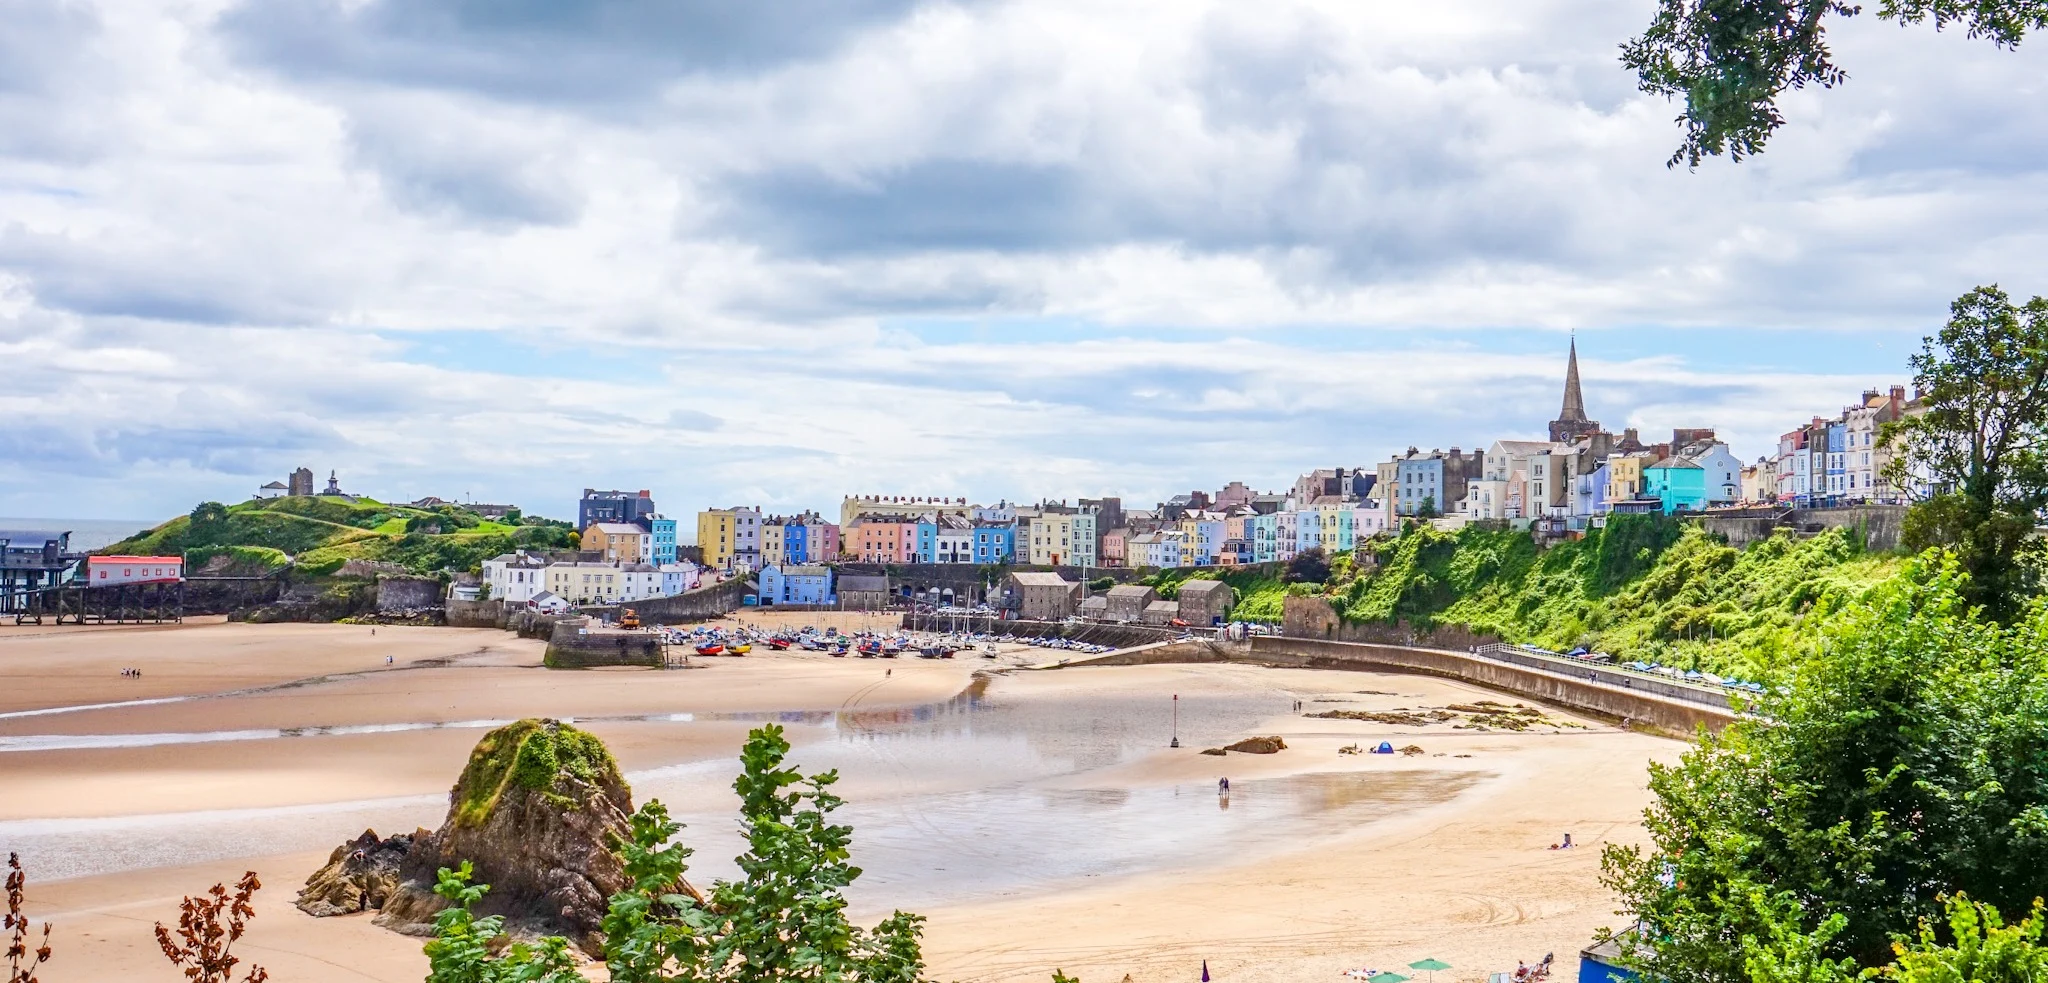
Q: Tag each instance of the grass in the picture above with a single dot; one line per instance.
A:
(320, 534)
(530, 754)
(1645, 587)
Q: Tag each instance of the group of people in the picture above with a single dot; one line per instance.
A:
(131, 672)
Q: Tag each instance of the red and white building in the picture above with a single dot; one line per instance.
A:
(108, 571)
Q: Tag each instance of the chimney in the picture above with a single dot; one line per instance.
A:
(1898, 395)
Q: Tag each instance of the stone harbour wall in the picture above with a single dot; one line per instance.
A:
(576, 643)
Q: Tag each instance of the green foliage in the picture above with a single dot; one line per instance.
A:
(1983, 438)
(323, 532)
(468, 949)
(1985, 949)
(1258, 591)
(1645, 586)
(1730, 60)
(528, 754)
(783, 921)
(1903, 760)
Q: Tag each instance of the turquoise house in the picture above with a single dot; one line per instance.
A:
(1679, 483)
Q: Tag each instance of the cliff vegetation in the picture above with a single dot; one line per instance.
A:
(318, 534)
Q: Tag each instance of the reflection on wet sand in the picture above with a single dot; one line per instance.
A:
(975, 795)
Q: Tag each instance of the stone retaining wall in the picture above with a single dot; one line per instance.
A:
(576, 644)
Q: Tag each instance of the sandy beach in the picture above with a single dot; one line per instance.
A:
(1040, 822)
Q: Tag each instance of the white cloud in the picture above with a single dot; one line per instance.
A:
(1056, 247)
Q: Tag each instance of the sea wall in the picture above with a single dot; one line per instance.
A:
(576, 643)
(407, 595)
(1093, 633)
(702, 604)
(1644, 702)
(475, 614)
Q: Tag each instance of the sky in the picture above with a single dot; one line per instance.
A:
(770, 254)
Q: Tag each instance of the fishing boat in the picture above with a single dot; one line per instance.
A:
(710, 648)
(740, 649)
(779, 644)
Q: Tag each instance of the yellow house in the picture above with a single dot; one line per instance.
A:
(1625, 476)
(614, 542)
(773, 552)
(718, 537)
(584, 583)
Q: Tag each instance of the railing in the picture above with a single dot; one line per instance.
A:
(1613, 675)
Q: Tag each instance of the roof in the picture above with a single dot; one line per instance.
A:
(1129, 590)
(808, 570)
(18, 537)
(1203, 587)
(1675, 464)
(275, 484)
(1094, 602)
(1170, 607)
(133, 559)
(1525, 446)
(1030, 578)
(615, 528)
(852, 583)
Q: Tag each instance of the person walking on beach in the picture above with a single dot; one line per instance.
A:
(1223, 786)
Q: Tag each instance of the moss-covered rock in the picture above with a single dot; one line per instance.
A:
(535, 811)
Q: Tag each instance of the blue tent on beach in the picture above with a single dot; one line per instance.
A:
(1386, 747)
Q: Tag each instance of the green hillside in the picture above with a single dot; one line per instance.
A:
(320, 533)
(1645, 587)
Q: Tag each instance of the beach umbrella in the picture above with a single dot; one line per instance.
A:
(1388, 978)
(1430, 966)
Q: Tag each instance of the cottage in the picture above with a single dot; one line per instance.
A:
(1206, 602)
(1040, 596)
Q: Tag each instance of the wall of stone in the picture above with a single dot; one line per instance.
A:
(1117, 636)
(1880, 524)
(1314, 617)
(702, 604)
(475, 614)
(577, 644)
(403, 595)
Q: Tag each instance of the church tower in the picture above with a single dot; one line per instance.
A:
(1571, 422)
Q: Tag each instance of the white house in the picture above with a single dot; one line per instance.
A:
(679, 577)
(515, 578)
(547, 603)
(109, 571)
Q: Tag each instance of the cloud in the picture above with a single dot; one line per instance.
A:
(997, 249)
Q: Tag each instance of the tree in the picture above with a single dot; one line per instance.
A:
(1903, 761)
(1310, 566)
(208, 514)
(1732, 59)
(468, 949)
(783, 921)
(1981, 443)
(1985, 949)
(1427, 510)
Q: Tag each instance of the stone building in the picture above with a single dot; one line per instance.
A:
(1040, 596)
(1205, 602)
(1161, 612)
(1127, 602)
(864, 593)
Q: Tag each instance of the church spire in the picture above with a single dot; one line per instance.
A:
(1574, 402)
(1571, 422)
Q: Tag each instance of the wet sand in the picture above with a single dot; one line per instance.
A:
(1319, 863)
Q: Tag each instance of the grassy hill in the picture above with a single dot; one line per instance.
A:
(1645, 587)
(320, 533)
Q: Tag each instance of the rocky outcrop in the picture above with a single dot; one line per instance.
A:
(361, 875)
(1258, 745)
(535, 813)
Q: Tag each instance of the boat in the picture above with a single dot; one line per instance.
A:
(740, 649)
(869, 649)
(779, 644)
(710, 648)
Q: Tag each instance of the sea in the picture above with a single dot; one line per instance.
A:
(86, 534)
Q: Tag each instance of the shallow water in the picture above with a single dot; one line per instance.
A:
(975, 796)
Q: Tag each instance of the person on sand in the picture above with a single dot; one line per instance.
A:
(1223, 786)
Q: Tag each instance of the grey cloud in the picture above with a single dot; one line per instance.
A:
(48, 59)
(443, 164)
(543, 51)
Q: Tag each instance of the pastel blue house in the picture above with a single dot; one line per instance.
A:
(1265, 531)
(927, 541)
(796, 542)
(796, 584)
(1418, 480)
(994, 542)
(663, 549)
(1679, 483)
